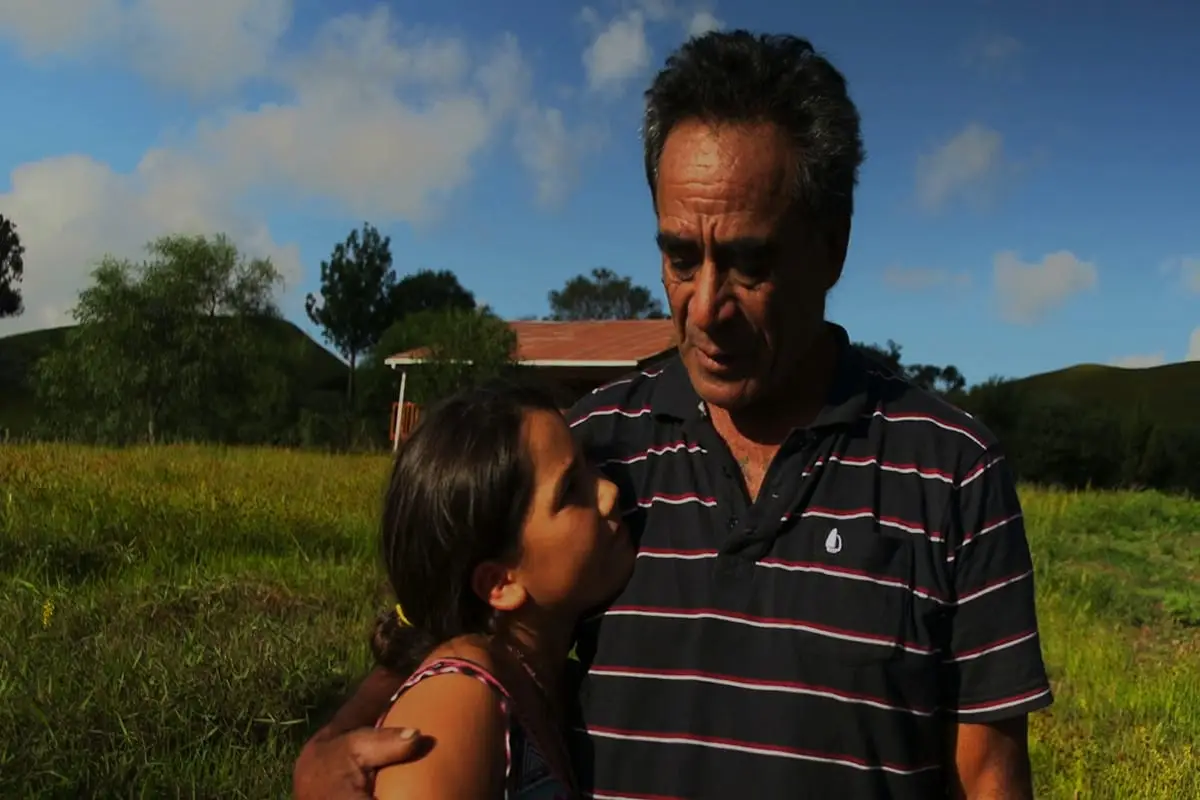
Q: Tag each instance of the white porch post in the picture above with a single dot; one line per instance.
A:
(399, 411)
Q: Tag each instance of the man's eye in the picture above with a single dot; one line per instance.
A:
(682, 266)
(753, 270)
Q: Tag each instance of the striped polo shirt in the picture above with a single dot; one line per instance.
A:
(819, 641)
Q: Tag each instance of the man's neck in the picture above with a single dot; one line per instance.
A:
(755, 434)
(792, 403)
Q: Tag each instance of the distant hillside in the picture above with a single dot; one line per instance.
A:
(1170, 393)
(321, 374)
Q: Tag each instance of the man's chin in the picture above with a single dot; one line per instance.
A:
(729, 392)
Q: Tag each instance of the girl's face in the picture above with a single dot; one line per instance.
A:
(576, 552)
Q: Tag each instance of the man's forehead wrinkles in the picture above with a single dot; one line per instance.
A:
(727, 230)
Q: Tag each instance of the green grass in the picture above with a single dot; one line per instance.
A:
(177, 621)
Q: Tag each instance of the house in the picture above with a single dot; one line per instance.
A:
(572, 357)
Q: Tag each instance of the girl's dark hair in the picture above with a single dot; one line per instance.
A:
(458, 495)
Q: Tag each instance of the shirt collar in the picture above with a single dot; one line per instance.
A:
(848, 399)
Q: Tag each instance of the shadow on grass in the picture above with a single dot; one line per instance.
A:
(65, 560)
(317, 706)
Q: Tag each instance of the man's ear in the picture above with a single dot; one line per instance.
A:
(497, 586)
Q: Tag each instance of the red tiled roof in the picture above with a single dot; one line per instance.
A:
(583, 343)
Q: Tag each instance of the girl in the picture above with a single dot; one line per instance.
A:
(497, 536)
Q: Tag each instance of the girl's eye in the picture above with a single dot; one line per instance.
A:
(568, 490)
(575, 486)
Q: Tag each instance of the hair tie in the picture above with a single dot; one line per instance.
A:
(404, 623)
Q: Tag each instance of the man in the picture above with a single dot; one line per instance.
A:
(833, 595)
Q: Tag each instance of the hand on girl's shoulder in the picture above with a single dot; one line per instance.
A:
(462, 750)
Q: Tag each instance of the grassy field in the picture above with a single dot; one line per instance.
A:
(176, 621)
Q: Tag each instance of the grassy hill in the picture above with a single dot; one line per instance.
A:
(1170, 393)
(18, 354)
(320, 373)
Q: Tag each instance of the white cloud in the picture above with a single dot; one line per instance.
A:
(919, 278)
(966, 167)
(1029, 291)
(999, 47)
(701, 22)
(72, 210)
(618, 53)
(619, 50)
(42, 28)
(200, 47)
(1188, 270)
(552, 153)
(1156, 359)
(368, 125)
(993, 53)
(1140, 361)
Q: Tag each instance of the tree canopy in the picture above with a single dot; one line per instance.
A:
(460, 347)
(12, 269)
(361, 298)
(603, 295)
(354, 306)
(427, 290)
(945, 380)
(169, 347)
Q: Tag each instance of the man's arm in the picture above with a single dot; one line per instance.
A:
(366, 705)
(993, 673)
(991, 761)
(339, 761)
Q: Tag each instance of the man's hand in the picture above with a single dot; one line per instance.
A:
(343, 766)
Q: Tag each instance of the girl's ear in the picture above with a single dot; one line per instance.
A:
(497, 586)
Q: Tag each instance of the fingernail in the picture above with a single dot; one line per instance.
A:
(409, 733)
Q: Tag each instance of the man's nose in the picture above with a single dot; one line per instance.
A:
(709, 304)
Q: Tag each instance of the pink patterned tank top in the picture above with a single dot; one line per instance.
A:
(527, 774)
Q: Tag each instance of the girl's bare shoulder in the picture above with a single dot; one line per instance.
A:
(463, 728)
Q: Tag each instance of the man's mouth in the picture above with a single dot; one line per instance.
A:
(716, 360)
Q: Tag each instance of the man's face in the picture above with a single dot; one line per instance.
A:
(745, 276)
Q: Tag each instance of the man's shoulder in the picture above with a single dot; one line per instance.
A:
(927, 419)
(625, 399)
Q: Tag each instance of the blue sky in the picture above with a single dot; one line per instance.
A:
(1030, 200)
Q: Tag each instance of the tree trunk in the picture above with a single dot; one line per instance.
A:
(350, 381)
(350, 411)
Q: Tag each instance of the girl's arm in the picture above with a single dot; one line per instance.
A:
(463, 728)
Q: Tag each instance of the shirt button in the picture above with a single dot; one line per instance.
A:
(733, 521)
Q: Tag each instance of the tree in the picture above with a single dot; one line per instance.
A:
(461, 347)
(604, 295)
(945, 380)
(12, 269)
(168, 348)
(357, 297)
(426, 290)
(888, 357)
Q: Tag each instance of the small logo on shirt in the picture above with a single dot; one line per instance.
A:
(833, 542)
